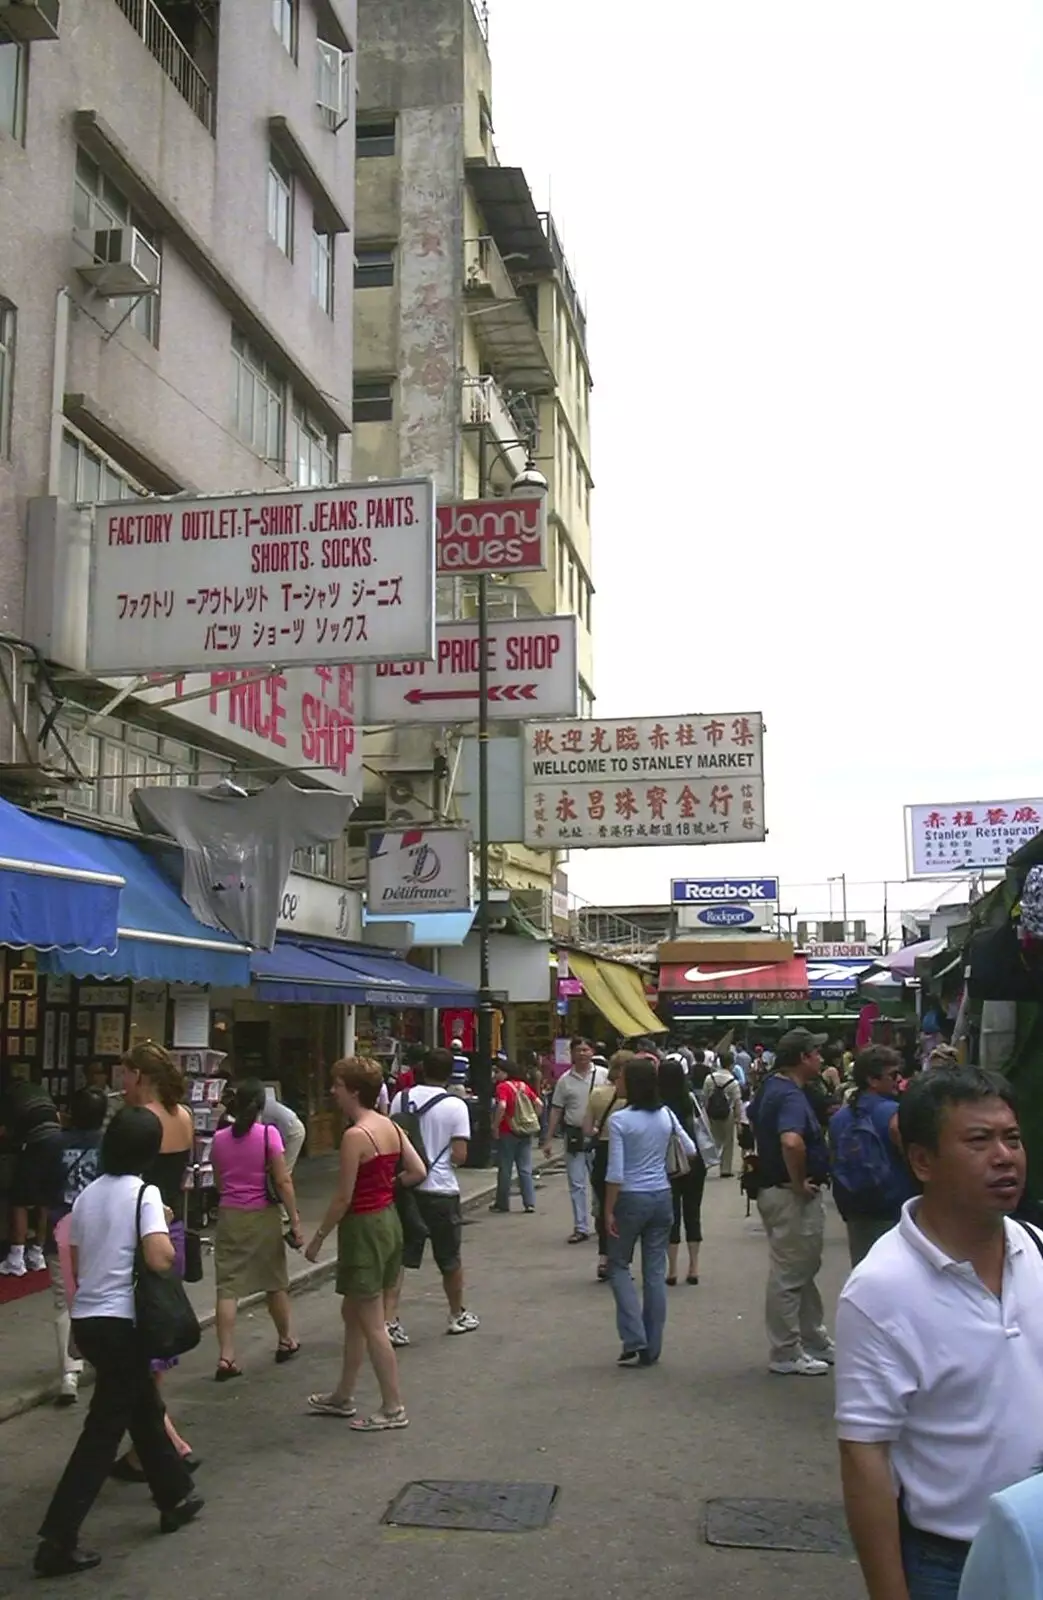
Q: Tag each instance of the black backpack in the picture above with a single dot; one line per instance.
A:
(409, 1120)
(717, 1106)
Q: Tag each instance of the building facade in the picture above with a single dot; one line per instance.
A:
(470, 339)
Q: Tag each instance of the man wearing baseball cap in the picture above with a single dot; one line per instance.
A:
(793, 1163)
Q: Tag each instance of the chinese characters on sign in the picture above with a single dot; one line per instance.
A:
(967, 836)
(301, 576)
(665, 780)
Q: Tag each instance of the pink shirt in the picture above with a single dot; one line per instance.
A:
(240, 1165)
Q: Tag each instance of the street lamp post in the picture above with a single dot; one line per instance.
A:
(533, 481)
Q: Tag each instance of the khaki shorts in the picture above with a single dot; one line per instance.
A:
(369, 1253)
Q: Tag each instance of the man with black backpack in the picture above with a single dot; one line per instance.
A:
(437, 1123)
(722, 1098)
(870, 1179)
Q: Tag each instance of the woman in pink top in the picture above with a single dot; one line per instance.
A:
(249, 1251)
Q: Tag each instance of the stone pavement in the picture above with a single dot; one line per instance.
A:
(295, 1502)
(28, 1360)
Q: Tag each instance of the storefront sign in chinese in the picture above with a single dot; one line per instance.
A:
(492, 536)
(417, 870)
(292, 578)
(967, 836)
(532, 667)
(650, 780)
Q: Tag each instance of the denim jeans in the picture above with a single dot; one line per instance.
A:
(932, 1570)
(514, 1151)
(577, 1168)
(645, 1219)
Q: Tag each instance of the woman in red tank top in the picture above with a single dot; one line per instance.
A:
(374, 1155)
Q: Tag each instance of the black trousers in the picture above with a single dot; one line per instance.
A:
(598, 1171)
(124, 1400)
(688, 1201)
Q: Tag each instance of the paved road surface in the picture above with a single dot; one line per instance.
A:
(295, 1502)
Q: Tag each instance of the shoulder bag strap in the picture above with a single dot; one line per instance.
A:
(1026, 1227)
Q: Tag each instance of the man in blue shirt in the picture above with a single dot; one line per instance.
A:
(871, 1181)
(792, 1165)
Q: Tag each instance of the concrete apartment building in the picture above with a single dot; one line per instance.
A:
(176, 221)
(470, 337)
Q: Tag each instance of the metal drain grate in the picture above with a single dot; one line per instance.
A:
(778, 1525)
(473, 1507)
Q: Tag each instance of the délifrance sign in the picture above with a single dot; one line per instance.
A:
(297, 577)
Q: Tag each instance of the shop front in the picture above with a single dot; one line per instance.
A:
(611, 996)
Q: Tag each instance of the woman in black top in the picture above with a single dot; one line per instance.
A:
(687, 1191)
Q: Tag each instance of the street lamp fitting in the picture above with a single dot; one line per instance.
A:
(531, 479)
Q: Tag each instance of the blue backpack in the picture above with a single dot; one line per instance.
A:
(861, 1160)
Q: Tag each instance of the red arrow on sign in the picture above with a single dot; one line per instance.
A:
(497, 691)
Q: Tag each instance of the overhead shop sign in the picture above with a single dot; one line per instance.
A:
(723, 891)
(293, 578)
(649, 780)
(721, 982)
(836, 979)
(417, 870)
(492, 536)
(533, 666)
(969, 835)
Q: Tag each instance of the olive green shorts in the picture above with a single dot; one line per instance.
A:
(369, 1253)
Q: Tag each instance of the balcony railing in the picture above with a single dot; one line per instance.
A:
(484, 269)
(507, 602)
(160, 39)
(568, 285)
(481, 12)
(485, 406)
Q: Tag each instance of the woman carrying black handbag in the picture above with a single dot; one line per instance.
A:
(109, 1265)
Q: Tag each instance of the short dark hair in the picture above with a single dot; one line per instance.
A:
(414, 1054)
(87, 1110)
(438, 1066)
(641, 1077)
(132, 1140)
(699, 1056)
(578, 1039)
(873, 1063)
(929, 1095)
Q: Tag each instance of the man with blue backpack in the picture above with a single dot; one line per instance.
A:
(871, 1181)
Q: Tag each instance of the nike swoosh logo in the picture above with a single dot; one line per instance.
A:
(698, 975)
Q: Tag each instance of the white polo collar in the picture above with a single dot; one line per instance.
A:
(915, 1237)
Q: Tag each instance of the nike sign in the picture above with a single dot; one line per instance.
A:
(715, 974)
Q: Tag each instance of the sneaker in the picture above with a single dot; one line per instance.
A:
(827, 1353)
(13, 1266)
(34, 1259)
(397, 1334)
(801, 1367)
(466, 1322)
(70, 1388)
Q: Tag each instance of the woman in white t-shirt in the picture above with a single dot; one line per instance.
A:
(104, 1236)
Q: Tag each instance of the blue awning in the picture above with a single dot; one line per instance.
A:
(159, 938)
(54, 895)
(320, 972)
(431, 928)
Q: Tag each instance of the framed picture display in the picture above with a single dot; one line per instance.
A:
(22, 980)
(29, 1014)
(50, 1034)
(14, 1014)
(62, 1061)
(109, 1029)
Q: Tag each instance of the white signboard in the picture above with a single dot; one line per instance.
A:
(413, 870)
(966, 836)
(292, 578)
(304, 719)
(725, 919)
(837, 952)
(650, 780)
(325, 910)
(532, 668)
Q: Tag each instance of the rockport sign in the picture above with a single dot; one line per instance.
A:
(492, 536)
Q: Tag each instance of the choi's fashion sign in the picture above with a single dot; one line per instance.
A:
(413, 870)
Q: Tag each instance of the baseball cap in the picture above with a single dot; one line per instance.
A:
(802, 1040)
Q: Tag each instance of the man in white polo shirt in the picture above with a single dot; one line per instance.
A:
(939, 1340)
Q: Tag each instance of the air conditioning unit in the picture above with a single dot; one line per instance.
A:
(333, 86)
(30, 19)
(409, 798)
(122, 264)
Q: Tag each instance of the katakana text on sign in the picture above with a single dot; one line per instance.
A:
(667, 780)
(296, 577)
(967, 836)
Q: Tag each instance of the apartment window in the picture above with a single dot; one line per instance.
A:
(375, 138)
(280, 204)
(373, 402)
(14, 64)
(98, 206)
(374, 269)
(312, 453)
(88, 475)
(284, 21)
(8, 319)
(322, 253)
(258, 401)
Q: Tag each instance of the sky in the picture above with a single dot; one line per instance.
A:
(809, 235)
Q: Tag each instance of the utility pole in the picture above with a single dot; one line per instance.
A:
(482, 1074)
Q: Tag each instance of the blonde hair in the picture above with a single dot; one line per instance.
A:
(617, 1064)
(151, 1061)
(362, 1076)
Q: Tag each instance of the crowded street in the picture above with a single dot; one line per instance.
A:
(295, 1504)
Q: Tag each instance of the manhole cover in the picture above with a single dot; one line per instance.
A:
(473, 1507)
(777, 1525)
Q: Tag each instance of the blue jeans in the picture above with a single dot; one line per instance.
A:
(647, 1218)
(932, 1570)
(513, 1151)
(577, 1168)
